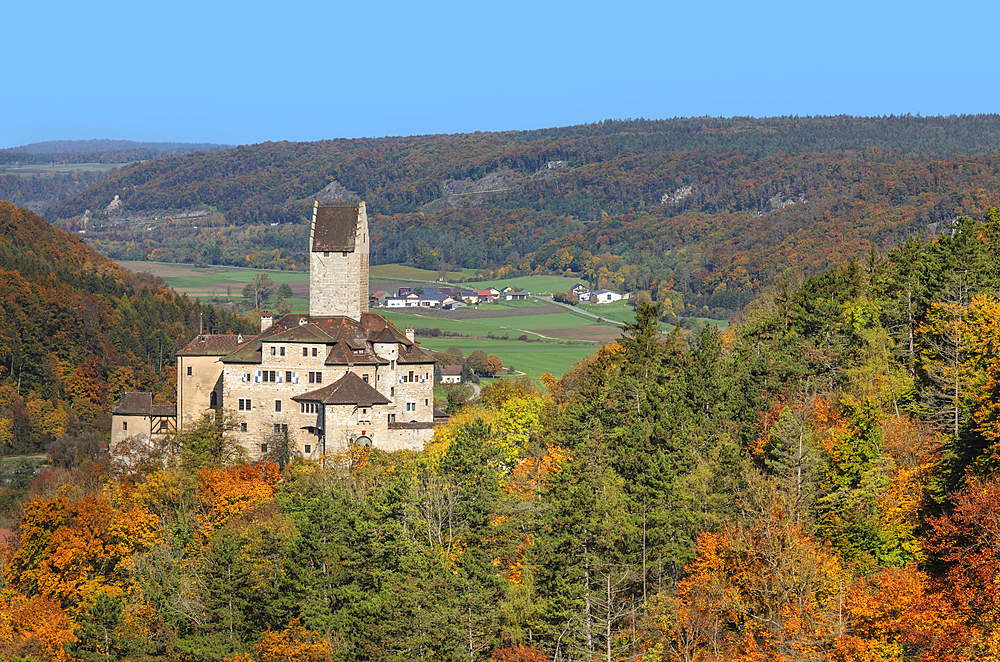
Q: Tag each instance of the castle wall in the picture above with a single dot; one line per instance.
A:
(194, 391)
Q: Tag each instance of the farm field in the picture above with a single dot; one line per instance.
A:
(223, 283)
(532, 358)
(401, 272)
(536, 326)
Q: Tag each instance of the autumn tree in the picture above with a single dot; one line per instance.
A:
(259, 289)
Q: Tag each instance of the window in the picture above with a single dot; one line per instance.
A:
(315, 377)
(309, 407)
(213, 399)
(392, 391)
(305, 351)
(411, 406)
(365, 377)
(124, 425)
(243, 427)
(314, 351)
(263, 448)
(326, 253)
(277, 405)
(308, 449)
(274, 351)
(163, 426)
(244, 405)
(247, 377)
(288, 376)
(426, 402)
(268, 376)
(392, 365)
(392, 418)
(409, 377)
(189, 371)
(280, 428)
(282, 352)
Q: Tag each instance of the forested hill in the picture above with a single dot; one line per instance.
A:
(700, 212)
(99, 151)
(76, 332)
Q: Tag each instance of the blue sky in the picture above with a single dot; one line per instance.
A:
(242, 73)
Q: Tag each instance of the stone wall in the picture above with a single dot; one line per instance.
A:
(194, 391)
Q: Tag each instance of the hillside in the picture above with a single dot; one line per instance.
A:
(700, 212)
(76, 332)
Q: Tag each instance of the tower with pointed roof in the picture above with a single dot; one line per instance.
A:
(338, 261)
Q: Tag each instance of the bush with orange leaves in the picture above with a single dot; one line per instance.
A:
(519, 653)
(33, 628)
(293, 644)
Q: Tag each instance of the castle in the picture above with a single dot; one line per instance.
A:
(337, 375)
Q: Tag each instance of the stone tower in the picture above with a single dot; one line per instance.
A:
(338, 261)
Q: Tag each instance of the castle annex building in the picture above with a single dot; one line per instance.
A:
(337, 375)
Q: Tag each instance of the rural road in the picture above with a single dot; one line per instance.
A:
(578, 311)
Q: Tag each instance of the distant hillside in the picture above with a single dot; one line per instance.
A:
(103, 145)
(40, 175)
(701, 211)
(76, 332)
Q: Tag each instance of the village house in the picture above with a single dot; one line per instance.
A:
(321, 381)
(602, 296)
(451, 374)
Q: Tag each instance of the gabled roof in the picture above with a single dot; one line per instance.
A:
(344, 354)
(134, 404)
(141, 404)
(414, 354)
(348, 390)
(301, 333)
(451, 370)
(335, 228)
(211, 345)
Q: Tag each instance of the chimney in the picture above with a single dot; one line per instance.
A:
(410, 334)
(265, 321)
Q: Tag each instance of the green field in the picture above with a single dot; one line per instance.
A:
(533, 358)
(400, 272)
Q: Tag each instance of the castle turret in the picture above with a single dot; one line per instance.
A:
(338, 261)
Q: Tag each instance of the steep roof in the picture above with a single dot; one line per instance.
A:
(301, 333)
(344, 354)
(451, 370)
(414, 354)
(335, 228)
(141, 404)
(134, 404)
(211, 345)
(348, 390)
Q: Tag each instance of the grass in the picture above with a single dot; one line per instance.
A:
(400, 272)
(535, 359)
(481, 326)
